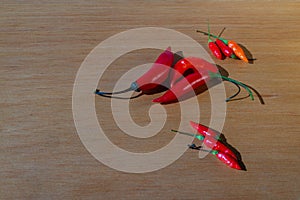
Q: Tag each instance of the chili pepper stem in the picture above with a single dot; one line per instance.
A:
(111, 93)
(239, 90)
(193, 146)
(214, 36)
(221, 32)
(233, 81)
(131, 88)
(214, 152)
(208, 28)
(199, 137)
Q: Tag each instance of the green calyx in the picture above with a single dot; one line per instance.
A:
(214, 152)
(199, 137)
(224, 40)
(233, 56)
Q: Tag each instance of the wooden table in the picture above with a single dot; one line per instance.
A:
(43, 44)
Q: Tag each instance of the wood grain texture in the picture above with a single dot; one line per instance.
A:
(42, 45)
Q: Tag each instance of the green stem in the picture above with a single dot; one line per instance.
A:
(221, 32)
(216, 75)
(133, 87)
(214, 36)
(237, 93)
(199, 137)
(214, 152)
(208, 27)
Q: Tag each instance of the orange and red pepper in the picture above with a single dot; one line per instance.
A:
(238, 51)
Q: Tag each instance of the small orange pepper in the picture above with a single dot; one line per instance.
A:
(238, 51)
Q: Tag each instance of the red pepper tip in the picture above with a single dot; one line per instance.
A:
(198, 127)
(193, 124)
(157, 100)
(238, 167)
(168, 49)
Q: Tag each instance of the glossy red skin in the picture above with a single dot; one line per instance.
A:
(214, 144)
(204, 130)
(191, 63)
(228, 160)
(210, 139)
(158, 73)
(182, 88)
(224, 48)
(215, 50)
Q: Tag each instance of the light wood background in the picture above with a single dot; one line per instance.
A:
(42, 45)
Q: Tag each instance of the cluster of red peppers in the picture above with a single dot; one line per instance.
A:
(219, 147)
(222, 48)
(183, 78)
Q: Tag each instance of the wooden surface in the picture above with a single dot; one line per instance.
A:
(43, 44)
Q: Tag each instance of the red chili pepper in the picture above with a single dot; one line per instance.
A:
(214, 144)
(224, 48)
(153, 78)
(210, 142)
(186, 87)
(228, 160)
(210, 139)
(214, 47)
(157, 74)
(194, 64)
(183, 88)
(225, 158)
(204, 130)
